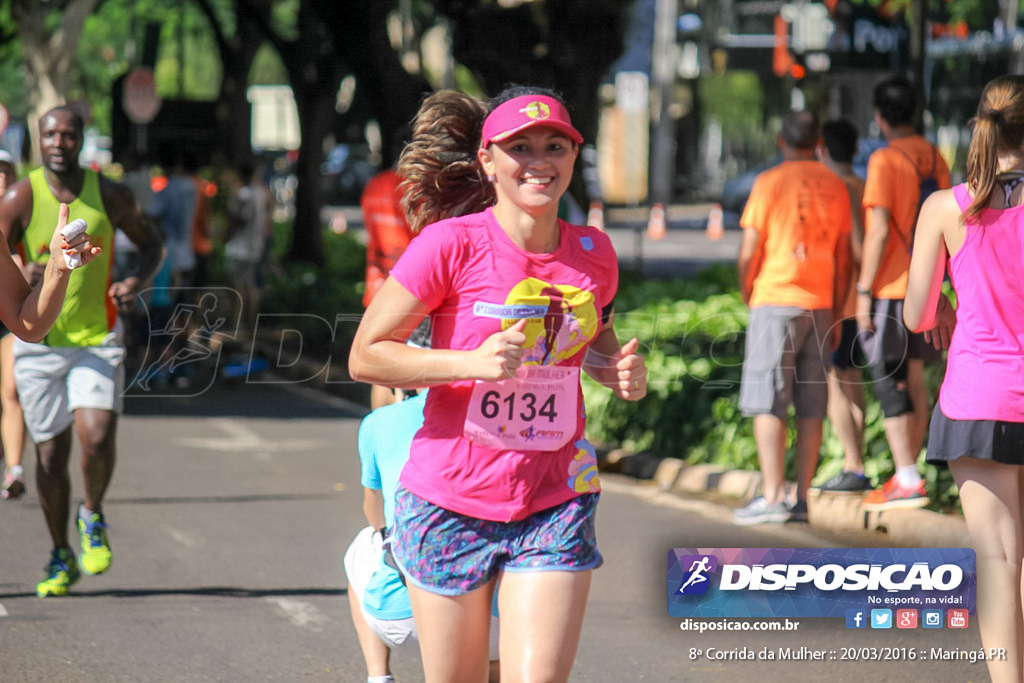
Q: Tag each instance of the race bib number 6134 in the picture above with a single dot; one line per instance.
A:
(534, 411)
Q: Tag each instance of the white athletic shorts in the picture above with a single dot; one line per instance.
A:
(361, 559)
(55, 381)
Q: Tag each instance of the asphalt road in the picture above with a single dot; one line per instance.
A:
(230, 512)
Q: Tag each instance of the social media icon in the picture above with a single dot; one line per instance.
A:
(957, 618)
(906, 618)
(856, 618)
(881, 618)
(931, 618)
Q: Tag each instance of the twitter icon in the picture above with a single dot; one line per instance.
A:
(881, 618)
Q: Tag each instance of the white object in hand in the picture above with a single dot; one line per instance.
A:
(70, 231)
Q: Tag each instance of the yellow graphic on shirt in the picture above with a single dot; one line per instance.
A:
(583, 469)
(536, 110)
(570, 323)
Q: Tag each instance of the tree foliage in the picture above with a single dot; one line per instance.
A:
(74, 50)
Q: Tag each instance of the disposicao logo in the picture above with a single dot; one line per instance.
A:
(697, 579)
(818, 582)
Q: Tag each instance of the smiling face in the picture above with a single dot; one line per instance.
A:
(60, 141)
(532, 168)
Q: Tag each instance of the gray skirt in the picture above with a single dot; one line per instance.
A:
(949, 439)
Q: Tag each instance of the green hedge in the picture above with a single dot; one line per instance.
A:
(691, 334)
(314, 297)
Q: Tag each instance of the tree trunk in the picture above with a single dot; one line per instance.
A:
(316, 113)
(234, 114)
(361, 34)
(49, 56)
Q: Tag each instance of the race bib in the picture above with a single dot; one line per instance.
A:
(535, 411)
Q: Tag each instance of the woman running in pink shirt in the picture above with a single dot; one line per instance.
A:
(501, 484)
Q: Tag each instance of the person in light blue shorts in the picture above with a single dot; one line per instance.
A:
(377, 594)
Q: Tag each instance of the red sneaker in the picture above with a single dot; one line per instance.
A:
(892, 496)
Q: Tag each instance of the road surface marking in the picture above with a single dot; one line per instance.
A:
(186, 540)
(240, 439)
(301, 613)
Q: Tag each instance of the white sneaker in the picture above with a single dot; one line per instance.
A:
(760, 511)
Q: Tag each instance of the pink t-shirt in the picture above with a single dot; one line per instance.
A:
(985, 365)
(476, 281)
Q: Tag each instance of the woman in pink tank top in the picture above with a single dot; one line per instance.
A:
(977, 230)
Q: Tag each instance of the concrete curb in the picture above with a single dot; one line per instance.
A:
(835, 511)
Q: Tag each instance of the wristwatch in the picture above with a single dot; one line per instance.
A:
(863, 291)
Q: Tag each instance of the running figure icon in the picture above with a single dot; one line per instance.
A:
(697, 570)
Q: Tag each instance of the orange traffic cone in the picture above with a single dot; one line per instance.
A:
(656, 223)
(595, 216)
(716, 227)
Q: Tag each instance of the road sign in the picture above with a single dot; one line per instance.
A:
(139, 98)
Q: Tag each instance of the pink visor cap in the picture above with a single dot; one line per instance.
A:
(519, 113)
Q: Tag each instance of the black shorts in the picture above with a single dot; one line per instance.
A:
(849, 355)
(949, 439)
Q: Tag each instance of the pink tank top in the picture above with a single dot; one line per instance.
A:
(985, 366)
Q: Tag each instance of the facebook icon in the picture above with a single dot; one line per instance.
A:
(856, 618)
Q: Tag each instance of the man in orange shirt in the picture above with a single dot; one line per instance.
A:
(794, 274)
(891, 201)
(387, 235)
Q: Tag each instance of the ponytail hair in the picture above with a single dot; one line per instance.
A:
(997, 125)
(442, 176)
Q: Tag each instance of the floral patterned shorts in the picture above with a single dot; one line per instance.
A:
(447, 553)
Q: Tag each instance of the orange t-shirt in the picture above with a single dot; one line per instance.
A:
(201, 242)
(893, 183)
(801, 210)
(387, 231)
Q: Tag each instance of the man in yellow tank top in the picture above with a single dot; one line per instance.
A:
(75, 377)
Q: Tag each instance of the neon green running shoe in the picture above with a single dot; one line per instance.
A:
(95, 556)
(61, 573)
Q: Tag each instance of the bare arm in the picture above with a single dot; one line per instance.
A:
(373, 507)
(749, 262)
(620, 368)
(856, 227)
(925, 308)
(875, 238)
(379, 354)
(125, 213)
(843, 276)
(29, 311)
